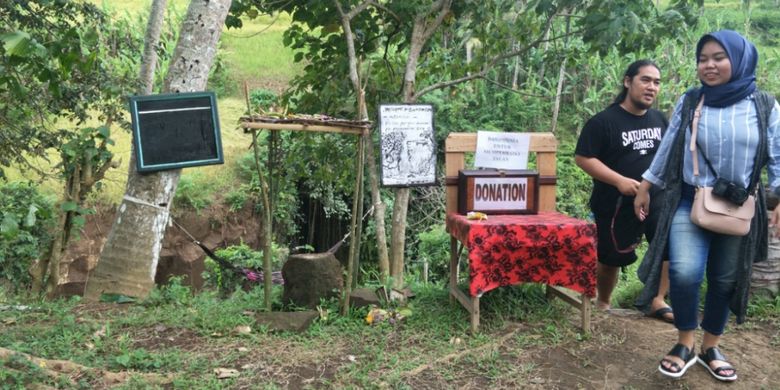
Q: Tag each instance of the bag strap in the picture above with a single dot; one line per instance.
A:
(707, 161)
(764, 104)
(694, 131)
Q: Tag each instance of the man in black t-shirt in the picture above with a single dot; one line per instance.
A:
(615, 147)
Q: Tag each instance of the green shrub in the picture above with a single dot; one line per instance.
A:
(220, 80)
(18, 372)
(434, 248)
(573, 185)
(237, 198)
(285, 197)
(174, 293)
(192, 194)
(765, 307)
(263, 99)
(25, 219)
(764, 23)
(241, 256)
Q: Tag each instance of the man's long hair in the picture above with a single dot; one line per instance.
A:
(632, 71)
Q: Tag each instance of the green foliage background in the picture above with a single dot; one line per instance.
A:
(320, 167)
(26, 218)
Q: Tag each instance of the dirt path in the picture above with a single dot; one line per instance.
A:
(625, 349)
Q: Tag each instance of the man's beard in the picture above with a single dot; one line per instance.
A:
(640, 104)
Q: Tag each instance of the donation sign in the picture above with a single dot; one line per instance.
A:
(498, 191)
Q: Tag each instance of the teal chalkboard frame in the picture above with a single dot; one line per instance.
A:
(172, 131)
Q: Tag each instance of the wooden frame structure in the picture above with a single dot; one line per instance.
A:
(361, 130)
(544, 146)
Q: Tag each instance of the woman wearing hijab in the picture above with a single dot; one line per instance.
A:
(737, 133)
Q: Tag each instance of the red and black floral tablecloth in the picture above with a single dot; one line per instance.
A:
(548, 247)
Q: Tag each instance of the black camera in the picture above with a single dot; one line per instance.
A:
(728, 190)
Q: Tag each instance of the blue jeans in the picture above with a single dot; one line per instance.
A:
(691, 250)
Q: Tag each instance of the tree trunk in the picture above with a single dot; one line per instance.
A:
(128, 262)
(398, 236)
(422, 31)
(149, 60)
(766, 274)
(379, 212)
(266, 232)
(516, 70)
(561, 79)
(558, 92)
(376, 198)
(546, 48)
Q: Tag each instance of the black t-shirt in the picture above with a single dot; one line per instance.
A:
(624, 142)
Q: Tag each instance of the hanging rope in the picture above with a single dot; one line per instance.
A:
(341, 242)
(249, 273)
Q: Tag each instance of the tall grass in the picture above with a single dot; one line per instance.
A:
(255, 54)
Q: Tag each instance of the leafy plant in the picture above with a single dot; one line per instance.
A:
(193, 193)
(18, 372)
(141, 359)
(263, 99)
(25, 219)
(172, 293)
(433, 247)
(237, 198)
(68, 56)
(765, 307)
(574, 185)
(243, 257)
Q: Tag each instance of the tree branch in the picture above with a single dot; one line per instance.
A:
(388, 10)
(350, 40)
(271, 24)
(445, 84)
(510, 89)
(354, 11)
(492, 62)
(489, 65)
(443, 7)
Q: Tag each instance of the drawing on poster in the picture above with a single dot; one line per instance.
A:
(407, 144)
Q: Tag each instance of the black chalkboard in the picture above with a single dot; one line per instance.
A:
(173, 131)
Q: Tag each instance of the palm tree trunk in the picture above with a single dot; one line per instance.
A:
(128, 262)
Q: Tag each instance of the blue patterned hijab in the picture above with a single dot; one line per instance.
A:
(743, 57)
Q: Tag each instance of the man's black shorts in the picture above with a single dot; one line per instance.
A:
(628, 231)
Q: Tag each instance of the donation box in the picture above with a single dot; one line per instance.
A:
(498, 191)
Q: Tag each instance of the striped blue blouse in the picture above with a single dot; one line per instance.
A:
(723, 139)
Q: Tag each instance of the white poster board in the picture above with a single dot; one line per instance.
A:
(408, 145)
(502, 150)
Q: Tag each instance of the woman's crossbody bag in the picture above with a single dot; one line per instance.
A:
(712, 212)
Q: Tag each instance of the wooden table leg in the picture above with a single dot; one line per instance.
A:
(453, 266)
(581, 303)
(474, 315)
(585, 309)
(471, 304)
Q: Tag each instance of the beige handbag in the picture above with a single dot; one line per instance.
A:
(712, 212)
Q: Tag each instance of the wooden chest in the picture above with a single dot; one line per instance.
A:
(492, 191)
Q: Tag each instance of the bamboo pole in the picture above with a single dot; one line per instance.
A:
(357, 210)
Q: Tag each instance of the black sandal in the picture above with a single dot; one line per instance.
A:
(674, 370)
(714, 354)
